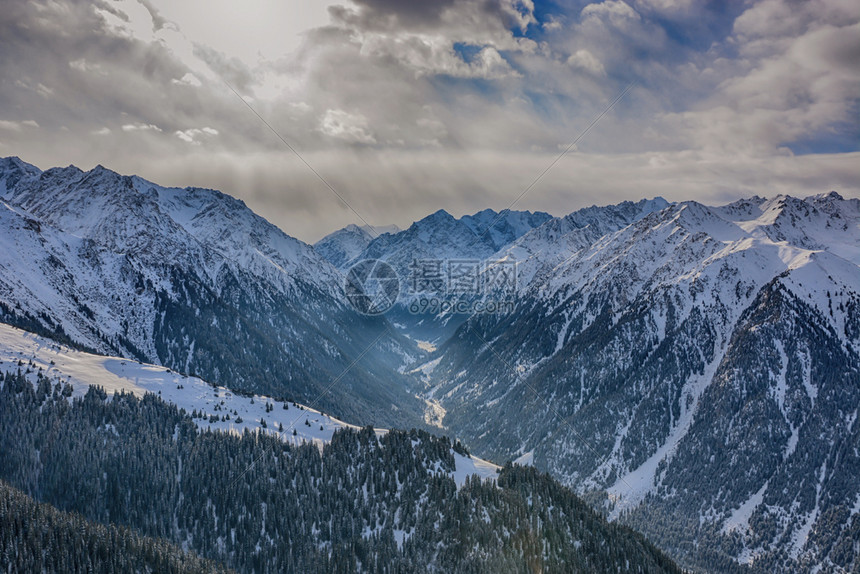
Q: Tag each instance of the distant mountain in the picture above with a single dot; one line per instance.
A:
(538, 252)
(442, 236)
(433, 243)
(342, 246)
(193, 280)
(654, 344)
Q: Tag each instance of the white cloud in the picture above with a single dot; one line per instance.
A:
(14, 126)
(352, 128)
(667, 6)
(192, 135)
(44, 90)
(188, 79)
(140, 127)
(82, 65)
(793, 82)
(300, 107)
(552, 23)
(585, 60)
(615, 12)
(104, 131)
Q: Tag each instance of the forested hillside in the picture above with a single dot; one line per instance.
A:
(363, 503)
(37, 537)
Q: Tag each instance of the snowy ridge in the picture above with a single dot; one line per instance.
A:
(539, 251)
(439, 236)
(688, 246)
(212, 403)
(93, 228)
(343, 245)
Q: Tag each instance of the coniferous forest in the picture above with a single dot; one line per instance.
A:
(37, 537)
(142, 481)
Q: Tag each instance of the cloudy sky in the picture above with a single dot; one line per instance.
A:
(407, 106)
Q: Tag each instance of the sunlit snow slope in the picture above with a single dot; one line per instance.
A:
(20, 350)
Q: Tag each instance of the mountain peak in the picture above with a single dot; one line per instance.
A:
(829, 196)
(12, 170)
(438, 215)
(352, 228)
(15, 161)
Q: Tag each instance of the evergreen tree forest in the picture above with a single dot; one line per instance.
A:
(37, 537)
(137, 471)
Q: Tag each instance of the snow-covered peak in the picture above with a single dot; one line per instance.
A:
(501, 229)
(227, 225)
(441, 236)
(194, 228)
(558, 239)
(708, 256)
(818, 222)
(343, 245)
(376, 230)
(12, 170)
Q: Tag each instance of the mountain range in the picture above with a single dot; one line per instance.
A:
(193, 280)
(692, 371)
(654, 343)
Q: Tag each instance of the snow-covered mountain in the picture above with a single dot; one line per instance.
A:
(674, 342)
(651, 344)
(438, 236)
(538, 252)
(344, 245)
(193, 280)
(426, 247)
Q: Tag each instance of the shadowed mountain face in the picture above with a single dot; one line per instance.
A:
(194, 280)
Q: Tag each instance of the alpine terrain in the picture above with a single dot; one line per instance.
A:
(693, 370)
(175, 373)
(193, 280)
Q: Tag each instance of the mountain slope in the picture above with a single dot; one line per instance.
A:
(193, 280)
(39, 538)
(619, 352)
(363, 503)
(213, 407)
